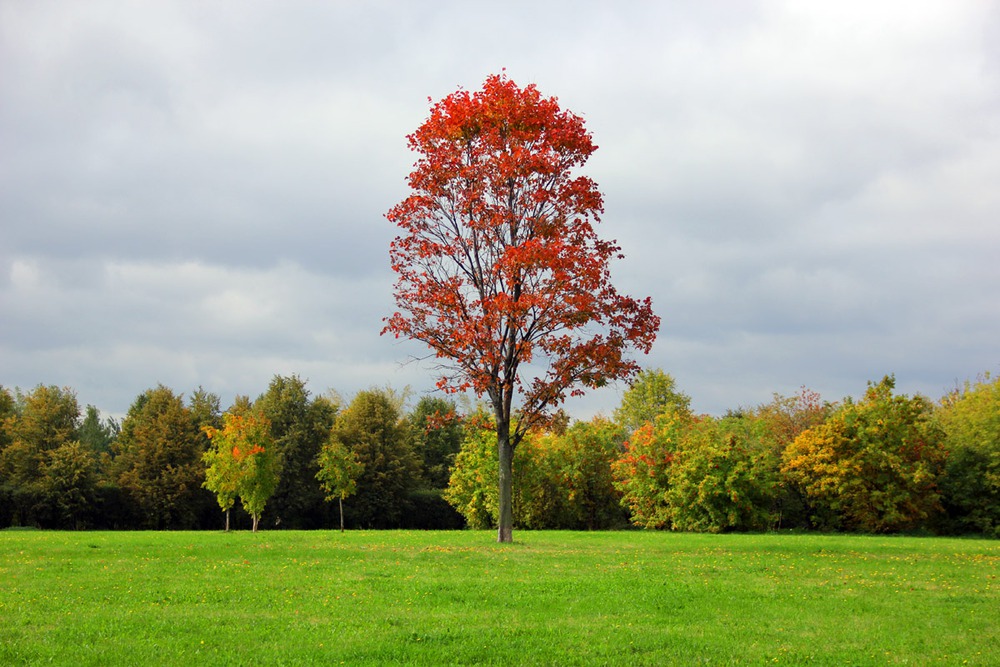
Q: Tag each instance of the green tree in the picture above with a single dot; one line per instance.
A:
(590, 449)
(699, 473)
(242, 463)
(373, 429)
(564, 477)
(158, 460)
(222, 473)
(339, 469)
(437, 431)
(873, 465)
(471, 489)
(650, 394)
(299, 425)
(724, 476)
(242, 405)
(206, 408)
(96, 433)
(541, 492)
(970, 419)
(68, 485)
(260, 463)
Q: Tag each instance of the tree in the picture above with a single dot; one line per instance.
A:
(499, 269)
(8, 410)
(299, 425)
(470, 490)
(372, 428)
(36, 424)
(564, 478)
(205, 408)
(8, 413)
(339, 469)
(724, 476)
(242, 463)
(98, 434)
(261, 468)
(970, 419)
(590, 449)
(873, 465)
(651, 394)
(68, 485)
(642, 472)
(158, 460)
(784, 418)
(222, 474)
(437, 431)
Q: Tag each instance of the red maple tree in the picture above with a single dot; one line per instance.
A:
(499, 269)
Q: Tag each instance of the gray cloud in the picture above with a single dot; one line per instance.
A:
(193, 193)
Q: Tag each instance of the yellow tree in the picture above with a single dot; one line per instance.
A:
(242, 463)
(222, 473)
(873, 465)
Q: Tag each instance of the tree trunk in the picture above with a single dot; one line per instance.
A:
(341, 499)
(227, 521)
(256, 519)
(505, 524)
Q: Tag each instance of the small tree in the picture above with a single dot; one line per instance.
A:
(339, 469)
(222, 474)
(372, 428)
(242, 463)
(724, 476)
(500, 271)
(68, 484)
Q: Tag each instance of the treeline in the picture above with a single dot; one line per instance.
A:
(882, 463)
(149, 471)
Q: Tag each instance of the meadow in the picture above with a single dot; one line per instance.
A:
(437, 598)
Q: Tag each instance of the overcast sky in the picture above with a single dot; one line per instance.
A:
(193, 193)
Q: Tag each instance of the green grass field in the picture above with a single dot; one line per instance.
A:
(459, 598)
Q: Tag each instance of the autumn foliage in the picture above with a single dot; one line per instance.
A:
(885, 462)
(499, 268)
(242, 463)
(873, 465)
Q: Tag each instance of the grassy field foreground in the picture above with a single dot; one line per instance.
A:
(458, 598)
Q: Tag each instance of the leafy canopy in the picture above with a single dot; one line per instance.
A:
(499, 267)
(242, 462)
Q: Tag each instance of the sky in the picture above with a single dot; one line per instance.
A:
(193, 194)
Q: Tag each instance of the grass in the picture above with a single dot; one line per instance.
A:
(438, 598)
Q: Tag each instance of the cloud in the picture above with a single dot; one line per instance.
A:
(193, 193)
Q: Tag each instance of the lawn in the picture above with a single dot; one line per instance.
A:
(184, 598)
